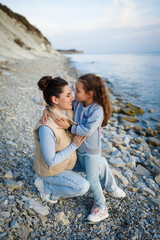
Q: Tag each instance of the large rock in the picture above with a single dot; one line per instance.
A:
(132, 189)
(128, 111)
(156, 202)
(14, 224)
(142, 171)
(120, 176)
(8, 183)
(156, 170)
(116, 109)
(36, 206)
(8, 174)
(157, 179)
(151, 183)
(134, 108)
(4, 214)
(146, 190)
(116, 154)
(158, 127)
(60, 217)
(129, 119)
(151, 132)
(24, 232)
(117, 162)
(131, 163)
(153, 142)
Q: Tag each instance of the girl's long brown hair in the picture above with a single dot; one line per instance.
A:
(92, 82)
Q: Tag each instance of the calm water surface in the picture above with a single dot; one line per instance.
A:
(134, 76)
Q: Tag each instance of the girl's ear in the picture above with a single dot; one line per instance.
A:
(54, 100)
(90, 93)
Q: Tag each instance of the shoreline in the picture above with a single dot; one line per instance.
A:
(133, 157)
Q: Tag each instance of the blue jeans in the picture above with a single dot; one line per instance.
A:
(65, 184)
(98, 174)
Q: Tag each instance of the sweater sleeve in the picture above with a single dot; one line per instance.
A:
(47, 141)
(93, 122)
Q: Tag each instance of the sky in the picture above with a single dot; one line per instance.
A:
(95, 26)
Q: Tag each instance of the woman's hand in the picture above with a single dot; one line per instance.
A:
(62, 123)
(78, 140)
(45, 116)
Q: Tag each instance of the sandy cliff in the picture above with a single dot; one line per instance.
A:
(20, 39)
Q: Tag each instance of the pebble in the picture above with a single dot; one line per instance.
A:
(8, 183)
(157, 179)
(13, 144)
(8, 174)
(60, 217)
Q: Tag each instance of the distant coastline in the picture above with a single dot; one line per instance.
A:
(69, 51)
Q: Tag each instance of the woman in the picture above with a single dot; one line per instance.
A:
(55, 154)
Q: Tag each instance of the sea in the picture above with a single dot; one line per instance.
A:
(134, 77)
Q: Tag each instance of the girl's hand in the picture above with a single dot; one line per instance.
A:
(45, 116)
(78, 140)
(62, 123)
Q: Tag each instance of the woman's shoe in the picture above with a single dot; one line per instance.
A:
(45, 197)
(118, 193)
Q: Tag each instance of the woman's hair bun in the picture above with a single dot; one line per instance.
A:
(44, 83)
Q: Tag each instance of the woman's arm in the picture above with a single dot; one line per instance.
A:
(47, 141)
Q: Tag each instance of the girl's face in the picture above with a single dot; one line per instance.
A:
(80, 94)
(64, 101)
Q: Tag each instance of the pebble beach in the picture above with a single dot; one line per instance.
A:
(132, 153)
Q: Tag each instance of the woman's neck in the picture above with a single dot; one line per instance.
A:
(57, 108)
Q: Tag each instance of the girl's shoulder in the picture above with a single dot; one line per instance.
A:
(96, 110)
(96, 106)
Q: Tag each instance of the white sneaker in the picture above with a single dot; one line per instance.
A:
(118, 193)
(97, 215)
(40, 187)
(48, 199)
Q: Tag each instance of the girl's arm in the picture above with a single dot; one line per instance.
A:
(47, 141)
(62, 123)
(93, 122)
(45, 116)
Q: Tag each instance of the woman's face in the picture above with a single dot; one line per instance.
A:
(64, 101)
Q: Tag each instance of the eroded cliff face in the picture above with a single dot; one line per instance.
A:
(20, 39)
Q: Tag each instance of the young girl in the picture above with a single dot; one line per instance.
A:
(92, 110)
